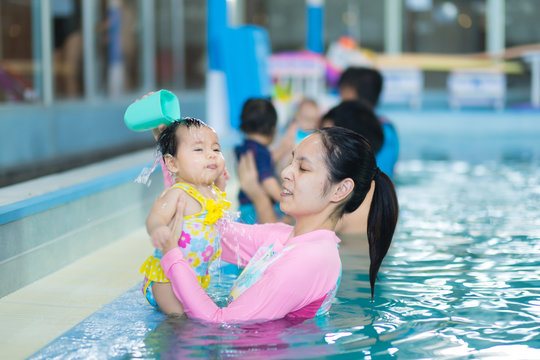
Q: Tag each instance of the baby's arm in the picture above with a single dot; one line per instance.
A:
(272, 188)
(163, 211)
(161, 214)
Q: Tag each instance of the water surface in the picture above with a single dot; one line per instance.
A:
(462, 280)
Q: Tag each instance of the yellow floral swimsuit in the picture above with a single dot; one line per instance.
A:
(199, 241)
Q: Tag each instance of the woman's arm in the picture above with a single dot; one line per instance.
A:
(301, 277)
(290, 284)
(239, 242)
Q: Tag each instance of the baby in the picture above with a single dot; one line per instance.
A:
(192, 154)
(306, 119)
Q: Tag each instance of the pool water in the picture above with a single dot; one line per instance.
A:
(462, 280)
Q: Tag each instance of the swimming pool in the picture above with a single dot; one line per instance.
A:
(462, 280)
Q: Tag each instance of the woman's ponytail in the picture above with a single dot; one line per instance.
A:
(349, 155)
(382, 220)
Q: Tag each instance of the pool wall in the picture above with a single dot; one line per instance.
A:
(473, 135)
(43, 233)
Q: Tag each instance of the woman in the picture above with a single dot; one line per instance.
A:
(358, 116)
(294, 272)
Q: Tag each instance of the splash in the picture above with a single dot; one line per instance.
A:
(144, 175)
(228, 218)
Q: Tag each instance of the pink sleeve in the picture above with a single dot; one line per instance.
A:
(295, 280)
(239, 242)
(167, 177)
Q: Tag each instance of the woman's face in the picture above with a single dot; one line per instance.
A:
(305, 179)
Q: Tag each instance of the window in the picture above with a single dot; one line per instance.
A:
(285, 21)
(444, 27)
(67, 46)
(118, 46)
(522, 22)
(19, 59)
(363, 20)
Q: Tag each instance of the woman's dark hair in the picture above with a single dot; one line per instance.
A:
(358, 116)
(258, 116)
(168, 141)
(366, 82)
(349, 155)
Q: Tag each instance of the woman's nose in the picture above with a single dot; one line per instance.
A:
(286, 173)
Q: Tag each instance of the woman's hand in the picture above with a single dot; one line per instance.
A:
(160, 236)
(157, 131)
(176, 226)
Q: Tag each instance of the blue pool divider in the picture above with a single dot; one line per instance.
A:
(34, 205)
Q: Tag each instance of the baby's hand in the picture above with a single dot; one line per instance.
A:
(221, 181)
(160, 236)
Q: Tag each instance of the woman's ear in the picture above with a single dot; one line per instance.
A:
(343, 190)
(170, 162)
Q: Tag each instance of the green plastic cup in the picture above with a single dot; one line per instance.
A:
(162, 107)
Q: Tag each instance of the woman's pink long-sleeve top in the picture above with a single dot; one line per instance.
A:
(296, 277)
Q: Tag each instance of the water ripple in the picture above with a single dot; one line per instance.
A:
(462, 280)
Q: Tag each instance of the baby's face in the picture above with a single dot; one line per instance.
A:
(307, 116)
(199, 156)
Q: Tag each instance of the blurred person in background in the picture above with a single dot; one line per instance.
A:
(67, 47)
(258, 124)
(306, 119)
(358, 116)
(365, 83)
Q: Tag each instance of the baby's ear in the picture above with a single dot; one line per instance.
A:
(170, 162)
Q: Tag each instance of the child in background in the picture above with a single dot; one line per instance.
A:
(306, 119)
(192, 154)
(258, 123)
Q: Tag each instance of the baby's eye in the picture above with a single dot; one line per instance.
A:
(302, 169)
(197, 149)
(217, 150)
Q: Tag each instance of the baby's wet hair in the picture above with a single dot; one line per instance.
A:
(168, 141)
